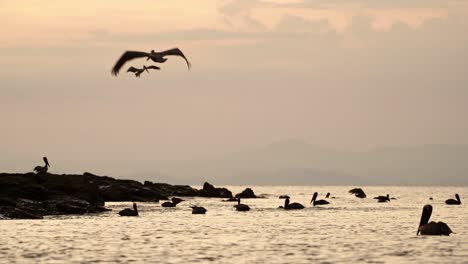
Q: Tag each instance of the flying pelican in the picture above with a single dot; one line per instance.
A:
(198, 210)
(317, 202)
(154, 56)
(175, 201)
(241, 207)
(432, 228)
(129, 212)
(292, 206)
(42, 169)
(383, 199)
(450, 201)
(138, 71)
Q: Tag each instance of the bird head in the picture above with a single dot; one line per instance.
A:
(46, 161)
(314, 197)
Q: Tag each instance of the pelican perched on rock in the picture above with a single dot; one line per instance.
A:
(42, 169)
(432, 228)
(291, 206)
(154, 56)
(453, 201)
(129, 212)
(198, 210)
(174, 203)
(383, 199)
(317, 202)
(138, 71)
(241, 207)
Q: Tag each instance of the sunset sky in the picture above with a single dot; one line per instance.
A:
(346, 74)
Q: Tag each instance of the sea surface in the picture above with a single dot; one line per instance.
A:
(348, 230)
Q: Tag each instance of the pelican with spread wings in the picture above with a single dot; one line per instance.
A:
(138, 71)
(158, 57)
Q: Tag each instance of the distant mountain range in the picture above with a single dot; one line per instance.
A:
(299, 163)
(291, 162)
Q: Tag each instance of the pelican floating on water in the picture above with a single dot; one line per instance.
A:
(154, 56)
(291, 206)
(42, 169)
(138, 71)
(129, 212)
(198, 210)
(383, 199)
(174, 203)
(358, 192)
(432, 228)
(453, 201)
(317, 202)
(241, 207)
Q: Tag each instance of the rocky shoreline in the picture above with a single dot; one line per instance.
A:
(33, 196)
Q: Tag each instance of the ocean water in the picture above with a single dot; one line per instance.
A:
(347, 230)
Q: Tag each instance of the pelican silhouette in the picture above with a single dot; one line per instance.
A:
(241, 207)
(138, 71)
(154, 56)
(453, 201)
(174, 203)
(129, 212)
(42, 169)
(291, 206)
(318, 202)
(358, 192)
(432, 228)
(383, 199)
(198, 210)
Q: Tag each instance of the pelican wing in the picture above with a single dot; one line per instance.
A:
(126, 56)
(176, 52)
(153, 67)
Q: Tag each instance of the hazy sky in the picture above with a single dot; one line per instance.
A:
(349, 74)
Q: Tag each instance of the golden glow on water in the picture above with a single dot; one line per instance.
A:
(349, 230)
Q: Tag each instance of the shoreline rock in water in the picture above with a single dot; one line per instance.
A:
(247, 193)
(33, 196)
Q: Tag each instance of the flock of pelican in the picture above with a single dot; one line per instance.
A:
(158, 57)
(425, 227)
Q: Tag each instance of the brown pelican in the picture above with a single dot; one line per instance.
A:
(453, 201)
(154, 56)
(129, 212)
(292, 206)
(358, 192)
(140, 71)
(317, 202)
(383, 199)
(241, 207)
(175, 201)
(432, 228)
(198, 210)
(42, 169)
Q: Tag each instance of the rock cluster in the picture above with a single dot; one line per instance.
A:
(32, 196)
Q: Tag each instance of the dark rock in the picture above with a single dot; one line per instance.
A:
(210, 191)
(247, 193)
(20, 213)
